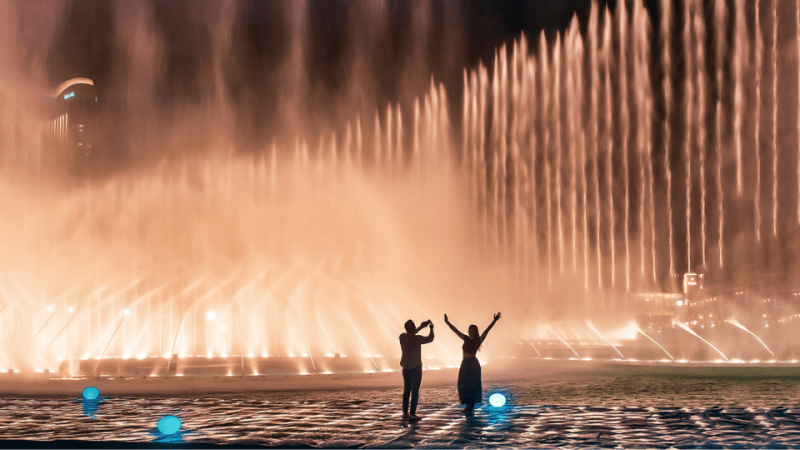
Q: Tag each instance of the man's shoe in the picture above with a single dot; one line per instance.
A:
(405, 415)
(414, 417)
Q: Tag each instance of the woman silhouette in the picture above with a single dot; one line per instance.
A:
(470, 391)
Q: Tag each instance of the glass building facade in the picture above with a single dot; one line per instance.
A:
(72, 132)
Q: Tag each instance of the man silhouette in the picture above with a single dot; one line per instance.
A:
(411, 362)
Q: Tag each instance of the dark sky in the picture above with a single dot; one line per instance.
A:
(160, 64)
(261, 29)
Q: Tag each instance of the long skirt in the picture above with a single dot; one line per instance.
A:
(469, 381)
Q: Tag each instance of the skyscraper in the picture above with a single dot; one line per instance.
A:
(71, 134)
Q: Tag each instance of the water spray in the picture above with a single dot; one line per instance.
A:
(738, 325)
(685, 327)
(107, 344)
(591, 327)
(534, 348)
(310, 357)
(654, 342)
(174, 341)
(565, 343)
(72, 317)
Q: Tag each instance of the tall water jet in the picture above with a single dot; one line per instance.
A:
(740, 55)
(581, 163)
(496, 181)
(699, 120)
(609, 142)
(571, 86)
(483, 75)
(389, 141)
(622, 23)
(594, 74)
(640, 61)
(645, 88)
(759, 59)
(533, 192)
(503, 141)
(688, 101)
(545, 115)
(685, 327)
(666, 63)
(738, 325)
(775, 118)
(644, 35)
(719, 16)
(558, 58)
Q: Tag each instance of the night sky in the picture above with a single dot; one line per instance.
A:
(354, 60)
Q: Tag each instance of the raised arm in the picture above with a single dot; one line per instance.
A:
(486, 331)
(423, 325)
(455, 330)
(429, 338)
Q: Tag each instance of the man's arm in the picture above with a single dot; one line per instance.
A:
(423, 325)
(426, 339)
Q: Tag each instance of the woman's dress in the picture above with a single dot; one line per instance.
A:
(469, 375)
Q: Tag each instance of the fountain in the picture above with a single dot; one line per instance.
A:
(555, 190)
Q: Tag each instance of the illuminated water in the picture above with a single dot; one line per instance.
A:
(541, 199)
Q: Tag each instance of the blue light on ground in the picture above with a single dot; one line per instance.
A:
(91, 393)
(497, 399)
(169, 424)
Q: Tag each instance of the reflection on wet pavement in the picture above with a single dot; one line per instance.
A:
(327, 420)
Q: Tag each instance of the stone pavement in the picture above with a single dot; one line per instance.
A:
(356, 424)
(600, 405)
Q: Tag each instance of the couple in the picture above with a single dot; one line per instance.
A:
(469, 375)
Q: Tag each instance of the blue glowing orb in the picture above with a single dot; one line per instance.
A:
(169, 424)
(497, 399)
(126, 312)
(91, 393)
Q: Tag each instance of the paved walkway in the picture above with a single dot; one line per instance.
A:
(352, 423)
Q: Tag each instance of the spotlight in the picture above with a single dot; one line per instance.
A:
(91, 393)
(126, 312)
(70, 310)
(49, 309)
(211, 315)
(497, 400)
(169, 425)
